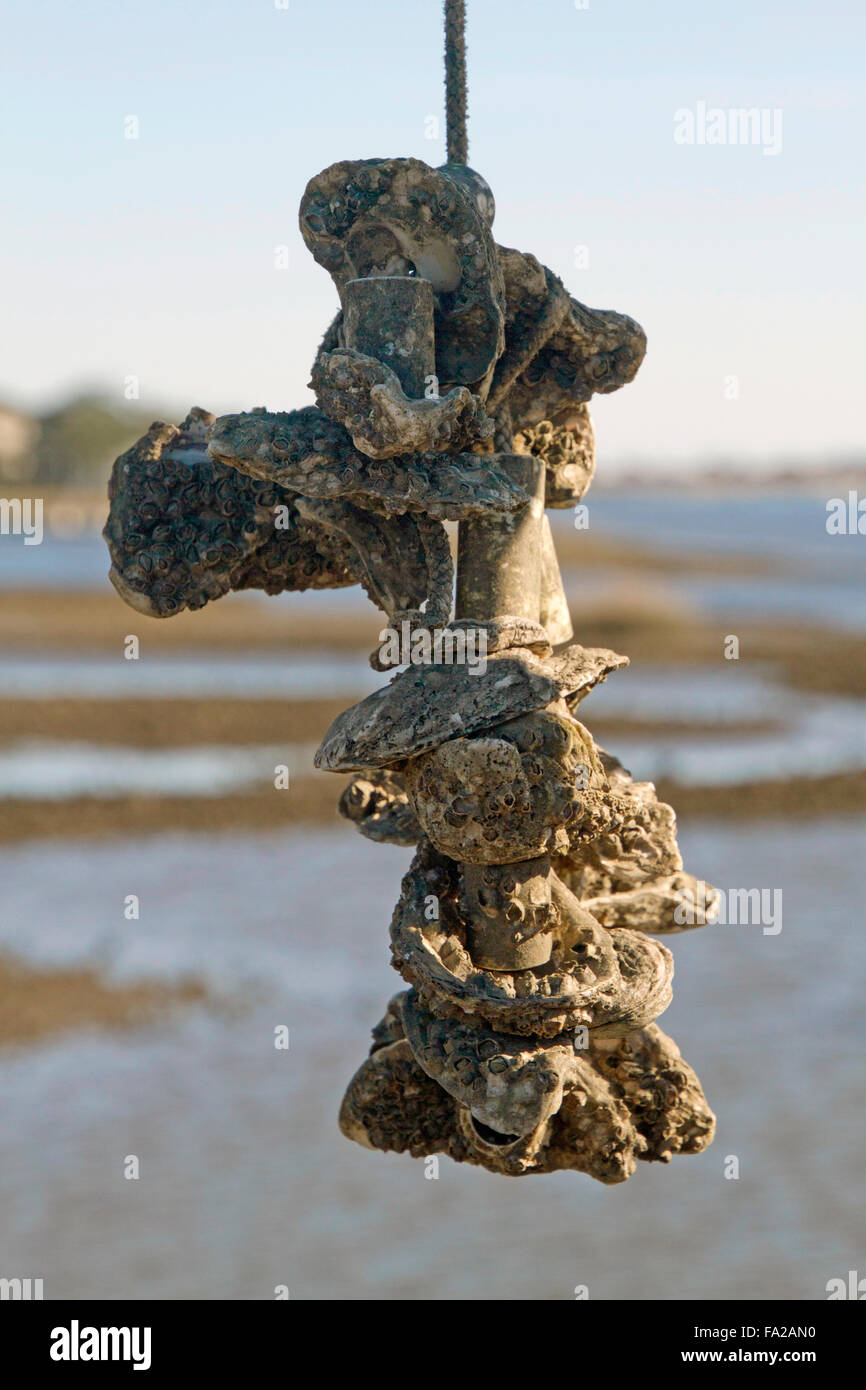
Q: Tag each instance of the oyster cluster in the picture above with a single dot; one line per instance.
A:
(527, 928)
(453, 385)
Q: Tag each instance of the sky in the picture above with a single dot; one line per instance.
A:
(171, 264)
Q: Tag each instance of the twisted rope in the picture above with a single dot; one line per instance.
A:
(503, 438)
(457, 140)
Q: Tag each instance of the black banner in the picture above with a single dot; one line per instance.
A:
(66, 1339)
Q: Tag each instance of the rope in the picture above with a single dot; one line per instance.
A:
(503, 438)
(457, 142)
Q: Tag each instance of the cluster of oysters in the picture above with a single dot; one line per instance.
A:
(453, 385)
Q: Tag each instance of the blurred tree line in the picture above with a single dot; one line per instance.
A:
(76, 443)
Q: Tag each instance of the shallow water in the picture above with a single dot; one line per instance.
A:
(35, 769)
(815, 735)
(246, 1182)
(818, 738)
(241, 674)
(821, 577)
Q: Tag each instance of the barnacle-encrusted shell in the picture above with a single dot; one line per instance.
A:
(403, 561)
(594, 351)
(183, 530)
(632, 874)
(646, 1070)
(378, 804)
(522, 1105)
(392, 1104)
(365, 396)
(568, 452)
(398, 217)
(306, 452)
(426, 705)
(511, 1083)
(510, 793)
(536, 303)
(612, 981)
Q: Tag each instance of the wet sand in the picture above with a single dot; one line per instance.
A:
(246, 1181)
(642, 625)
(68, 621)
(40, 1004)
(176, 723)
(309, 800)
(180, 724)
(312, 801)
(168, 723)
(794, 798)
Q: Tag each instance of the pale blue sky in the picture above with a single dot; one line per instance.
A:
(155, 257)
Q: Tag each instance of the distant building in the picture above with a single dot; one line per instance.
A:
(18, 437)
